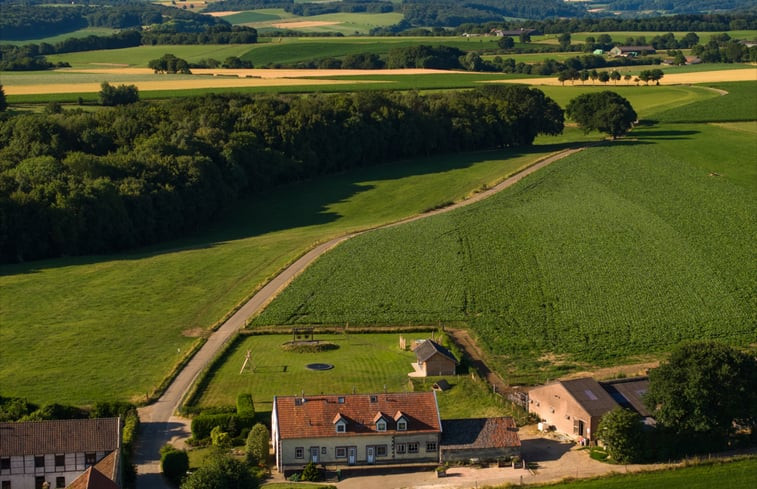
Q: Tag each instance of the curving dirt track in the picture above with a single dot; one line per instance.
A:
(159, 425)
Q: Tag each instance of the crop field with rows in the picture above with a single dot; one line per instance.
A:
(623, 249)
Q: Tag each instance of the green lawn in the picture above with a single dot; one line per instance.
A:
(111, 325)
(740, 474)
(87, 31)
(620, 250)
(362, 363)
(139, 56)
(738, 105)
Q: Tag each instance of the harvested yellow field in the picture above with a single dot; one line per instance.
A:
(190, 83)
(747, 74)
(222, 14)
(304, 23)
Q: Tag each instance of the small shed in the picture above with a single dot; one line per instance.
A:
(486, 439)
(433, 359)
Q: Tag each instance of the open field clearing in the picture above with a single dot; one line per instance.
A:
(141, 55)
(362, 363)
(744, 74)
(739, 474)
(738, 105)
(87, 31)
(115, 312)
(617, 251)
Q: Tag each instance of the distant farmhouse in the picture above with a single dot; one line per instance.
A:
(433, 359)
(381, 430)
(516, 32)
(631, 51)
(63, 453)
(357, 429)
(575, 407)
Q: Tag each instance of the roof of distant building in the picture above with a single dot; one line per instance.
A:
(479, 433)
(429, 348)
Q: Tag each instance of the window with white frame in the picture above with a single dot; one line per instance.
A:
(299, 452)
(381, 450)
(412, 447)
(402, 425)
(341, 452)
(400, 448)
(341, 427)
(430, 446)
(380, 425)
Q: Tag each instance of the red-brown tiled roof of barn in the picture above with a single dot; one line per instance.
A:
(92, 479)
(315, 417)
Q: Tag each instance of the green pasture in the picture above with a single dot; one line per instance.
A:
(110, 326)
(87, 31)
(139, 56)
(739, 105)
(646, 101)
(289, 51)
(737, 474)
(344, 22)
(623, 249)
(257, 16)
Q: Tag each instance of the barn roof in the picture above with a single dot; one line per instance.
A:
(590, 395)
(629, 393)
(429, 348)
(479, 433)
(92, 479)
(315, 416)
(59, 436)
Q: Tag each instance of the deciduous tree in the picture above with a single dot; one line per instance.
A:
(221, 472)
(3, 103)
(256, 448)
(605, 111)
(704, 387)
(621, 432)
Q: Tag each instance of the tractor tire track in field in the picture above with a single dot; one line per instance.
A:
(159, 425)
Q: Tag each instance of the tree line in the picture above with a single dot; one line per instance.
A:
(32, 56)
(78, 183)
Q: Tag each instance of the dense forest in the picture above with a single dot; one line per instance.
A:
(94, 182)
(680, 6)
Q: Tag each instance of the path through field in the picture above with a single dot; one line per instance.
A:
(159, 425)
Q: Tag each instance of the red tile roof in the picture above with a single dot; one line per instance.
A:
(108, 466)
(59, 436)
(315, 417)
(480, 433)
(92, 479)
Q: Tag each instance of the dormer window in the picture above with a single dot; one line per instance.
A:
(340, 423)
(381, 425)
(402, 425)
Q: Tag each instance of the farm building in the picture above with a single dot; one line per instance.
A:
(575, 407)
(516, 32)
(357, 429)
(487, 439)
(433, 359)
(59, 452)
(632, 51)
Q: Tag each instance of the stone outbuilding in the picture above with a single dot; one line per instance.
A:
(432, 359)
